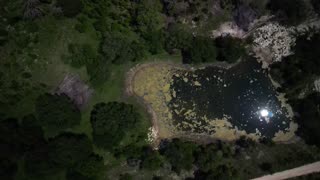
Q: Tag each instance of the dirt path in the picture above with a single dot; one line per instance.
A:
(295, 172)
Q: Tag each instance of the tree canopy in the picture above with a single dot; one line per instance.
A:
(289, 12)
(179, 154)
(56, 112)
(92, 166)
(229, 49)
(67, 149)
(201, 50)
(316, 6)
(119, 48)
(309, 118)
(110, 122)
(70, 8)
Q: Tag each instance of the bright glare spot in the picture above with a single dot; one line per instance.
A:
(264, 113)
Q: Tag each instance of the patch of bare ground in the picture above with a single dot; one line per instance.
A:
(79, 92)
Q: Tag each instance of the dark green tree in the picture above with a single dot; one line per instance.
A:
(177, 37)
(111, 121)
(91, 167)
(151, 159)
(309, 118)
(68, 149)
(119, 48)
(11, 140)
(56, 112)
(8, 169)
(70, 8)
(74, 175)
(289, 12)
(81, 55)
(180, 154)
(38, 164)
(213, 157)
(229, 49)
(126, 176)
(99, 71)
(202, 50)
(316, 6)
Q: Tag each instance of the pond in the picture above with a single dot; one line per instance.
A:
(212, 101)
(244, 94)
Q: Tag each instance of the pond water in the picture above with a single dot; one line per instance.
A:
(243, 94)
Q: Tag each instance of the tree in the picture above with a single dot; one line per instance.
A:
(68, 149)
(245, 142)
(11, 141)
(99, 71)
(316, 6)
(81, 55)
(177, 37)
(229, 49)
(56, 112)
(212, 157)
(38, 164)
(8, 169)
(74, 175)
(125, 176)
(266, 166)
(70, 8)
(179, 154)
(202, 50)
(119, 48)
(149, 23)
(289, 12)
(309, 118)
(111, 121)
(151, 160)
(91, 167)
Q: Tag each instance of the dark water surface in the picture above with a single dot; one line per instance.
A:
(240, 93)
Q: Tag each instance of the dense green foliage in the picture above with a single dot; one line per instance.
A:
(110, 123)
(70, 8)
(151, 159)
(67, 149)
(229, 49)
(178, 37)
(56, 112)
(180, 154)
(119, 48)
(309, 118)
(316, 6)
(92, 166)
(202, 50)
(289, 12)
(80, 55)
(22, 142)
